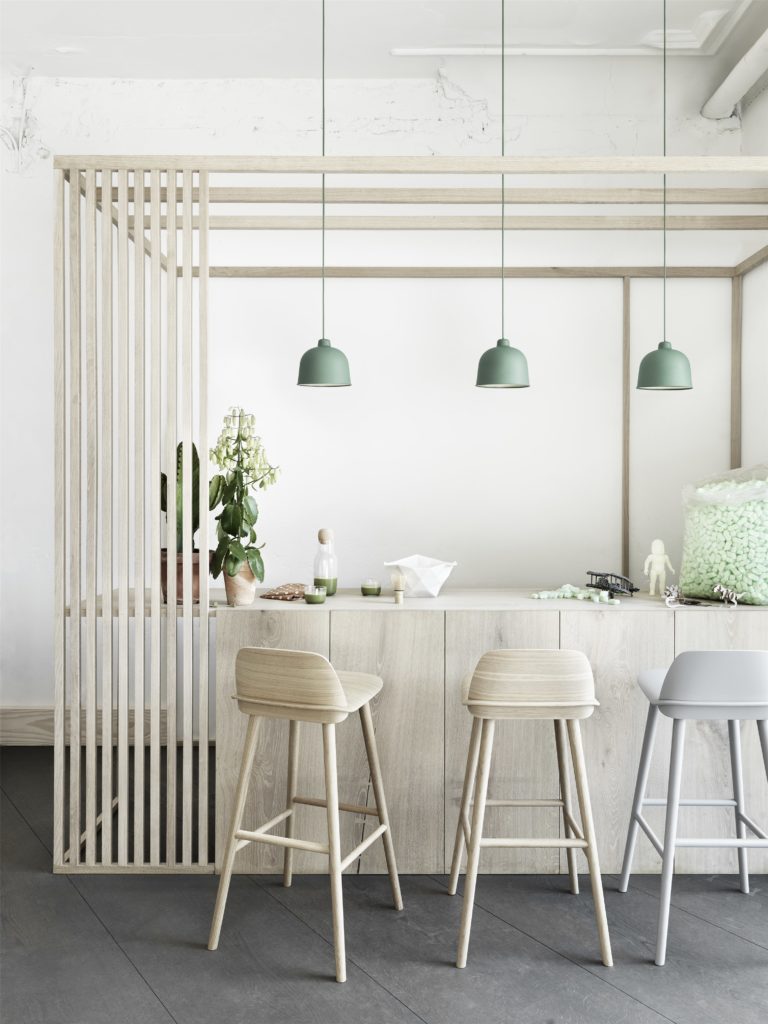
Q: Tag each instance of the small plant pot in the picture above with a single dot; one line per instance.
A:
(180, 576)
(241, 589)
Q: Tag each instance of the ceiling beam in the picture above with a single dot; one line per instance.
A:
(483, 223)
(755, 260)
(472, 196)
(465, 272)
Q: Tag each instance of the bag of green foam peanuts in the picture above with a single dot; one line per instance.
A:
(726, 536)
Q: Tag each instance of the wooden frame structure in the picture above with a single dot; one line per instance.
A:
(131, 277)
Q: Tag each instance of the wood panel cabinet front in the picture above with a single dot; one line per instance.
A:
(407, 649)
(620, 643)
(524, 761)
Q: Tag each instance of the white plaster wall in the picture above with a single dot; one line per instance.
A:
(412, 458)
(755, 367)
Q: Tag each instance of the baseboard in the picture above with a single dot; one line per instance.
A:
(33, 727)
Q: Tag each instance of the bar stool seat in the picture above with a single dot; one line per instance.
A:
(512, 684)
(728, 686)
(304, 687)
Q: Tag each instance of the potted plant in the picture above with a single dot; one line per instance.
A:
(240, 454)
(180, 526)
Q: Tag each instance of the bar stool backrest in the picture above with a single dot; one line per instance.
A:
(533, 678)
(701, 684)
(288, 684)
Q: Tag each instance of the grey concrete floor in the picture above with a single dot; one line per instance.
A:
(131, 949)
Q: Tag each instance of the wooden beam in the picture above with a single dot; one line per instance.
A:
(482, 223)
(474, 196)
(427, 164)
(755, 260)
(535, 273)
(737, 290)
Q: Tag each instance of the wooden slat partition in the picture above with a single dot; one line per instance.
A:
(60, 531)
(170, 533)
(91, 516)
(131, 369)
(186, 430)
(123, 313)
(154, 518)
(139, 375)
(106, 530)
(75, 445)
(202, 713)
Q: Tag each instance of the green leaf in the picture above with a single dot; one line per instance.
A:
(232, 565)
(230, 519)
(218, 557)
(237, 549)
(256, 563)
(163, 492)
(250, 510)
(215, 489)
(228, 492)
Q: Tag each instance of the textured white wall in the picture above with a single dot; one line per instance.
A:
(518, 487)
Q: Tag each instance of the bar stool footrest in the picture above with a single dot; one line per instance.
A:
(533, 844)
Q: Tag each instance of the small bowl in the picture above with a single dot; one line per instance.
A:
(314, 595)
(370, 588)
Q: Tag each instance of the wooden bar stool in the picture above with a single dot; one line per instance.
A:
(304, 687)
(727, 685)
(556, 685)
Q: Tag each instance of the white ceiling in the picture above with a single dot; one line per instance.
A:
(281, 38)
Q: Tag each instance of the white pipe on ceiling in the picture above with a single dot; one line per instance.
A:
(738, 81)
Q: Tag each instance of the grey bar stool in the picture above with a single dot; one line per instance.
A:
(722, 685)
(555, 685)
(304, 687)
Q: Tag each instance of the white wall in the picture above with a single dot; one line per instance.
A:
(518, 487)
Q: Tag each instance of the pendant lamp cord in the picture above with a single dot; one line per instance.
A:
(322, 228)
(664, 178)
(503, 91)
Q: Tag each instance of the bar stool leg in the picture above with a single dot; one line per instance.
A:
(670, 835)
(334, 848)
(734, 740)
(565, 796)
(293, 771)
(762, 732)
(476, 834)
(588, 826)
(249, 749)
(466, 799)
(643, 771)
(369, 737)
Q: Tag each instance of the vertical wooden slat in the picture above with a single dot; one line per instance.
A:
(202, 713)
(737, 290)
(60, 517)
(91, 515)
(170, 461)
(155, 540)
(74, 521)
(123, 523)
(625, 420)
(138, 523)
(186, 431)
(106, 520)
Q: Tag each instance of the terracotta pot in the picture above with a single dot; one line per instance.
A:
(180, 575)
(241, 589)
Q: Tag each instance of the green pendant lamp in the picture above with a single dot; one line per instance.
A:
(323, 366)
(502, 366)
(666, 368)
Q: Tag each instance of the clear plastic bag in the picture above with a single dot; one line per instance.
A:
(726, 536)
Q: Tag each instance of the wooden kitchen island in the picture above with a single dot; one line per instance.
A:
(422, 650)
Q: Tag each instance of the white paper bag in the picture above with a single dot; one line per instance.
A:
(423, 576)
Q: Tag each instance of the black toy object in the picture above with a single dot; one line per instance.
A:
(612, 582)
